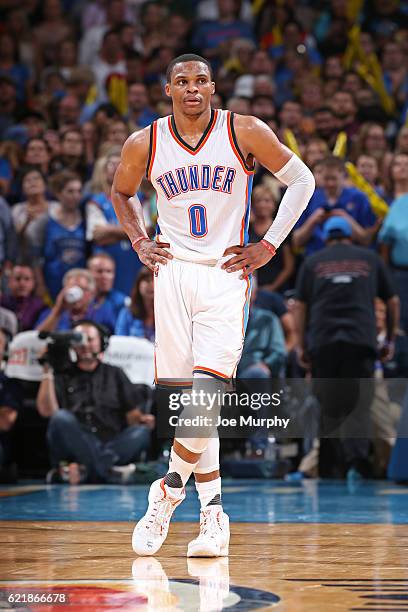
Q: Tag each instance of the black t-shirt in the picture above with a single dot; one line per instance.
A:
(339, 285)
(268, 273)
(99, 399)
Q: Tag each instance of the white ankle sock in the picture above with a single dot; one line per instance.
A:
(178, 474)
(209, 492)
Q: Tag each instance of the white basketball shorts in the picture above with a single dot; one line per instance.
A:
(201, 313)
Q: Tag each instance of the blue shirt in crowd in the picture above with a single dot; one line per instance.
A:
(117, 300)
(102, 314)
(394, 231)
(128, 325)
(352, 200)
(63, 249)
(126, 259)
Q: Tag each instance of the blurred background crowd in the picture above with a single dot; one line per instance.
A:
(330, 77)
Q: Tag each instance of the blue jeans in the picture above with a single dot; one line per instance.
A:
(69, 441)
(259, 439)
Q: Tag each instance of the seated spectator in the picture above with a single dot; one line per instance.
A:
(72, 156)
(394, 236)
(102, 268)
(345, 109)
(30, 216)
(108, 63)
(275, 303)
(116, 133)
(10, 65)
(8, 321)
(315, 151)
(324, 119)
(334, 199)
(67, 112)
(398, 176)
(264, 351)
(54, 27)
(276, 274)
(402, 140)
(8, 103)
(8, 243)
(105, 232)
(21, 298)
(138, 318)
(10, 154)
(263, 358)
(76, 301)
(140, 113)
(367, 165)
(371, 140)
(213, 36)
(64, 243)
(96, 414)
(37, 153)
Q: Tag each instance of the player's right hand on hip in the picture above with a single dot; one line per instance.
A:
(152, 253)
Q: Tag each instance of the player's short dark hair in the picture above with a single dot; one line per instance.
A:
(186, 57)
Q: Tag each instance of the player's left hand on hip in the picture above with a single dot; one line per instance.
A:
(247, 258)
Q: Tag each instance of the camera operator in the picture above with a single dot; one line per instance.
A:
(76, 301)
(10, 403)
(96, 421)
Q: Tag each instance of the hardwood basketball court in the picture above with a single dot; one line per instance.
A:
(338, 549)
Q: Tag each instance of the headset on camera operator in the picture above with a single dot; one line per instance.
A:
(96, 420)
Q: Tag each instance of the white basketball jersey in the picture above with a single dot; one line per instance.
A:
(203, 193)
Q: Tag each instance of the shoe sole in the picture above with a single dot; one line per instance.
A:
(207, 551)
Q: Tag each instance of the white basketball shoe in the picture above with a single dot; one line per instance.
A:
(213, 576)
(214, 536)
(151, 531)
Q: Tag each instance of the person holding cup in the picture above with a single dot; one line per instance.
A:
(76, 301)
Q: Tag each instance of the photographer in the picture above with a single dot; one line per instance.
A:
(10, 403)
(96, 423)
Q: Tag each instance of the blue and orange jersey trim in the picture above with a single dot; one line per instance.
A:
(205, 136)
(235, 147)
(152, 149)
(245, 310)
(244, 233)
(210, 372)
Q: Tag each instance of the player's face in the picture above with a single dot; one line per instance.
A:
(191, 88)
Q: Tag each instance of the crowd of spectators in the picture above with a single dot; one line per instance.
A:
(77, 77)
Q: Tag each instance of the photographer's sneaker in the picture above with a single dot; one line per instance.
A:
(213, 540)
(151, 531)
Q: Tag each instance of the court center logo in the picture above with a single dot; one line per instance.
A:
(150, 593)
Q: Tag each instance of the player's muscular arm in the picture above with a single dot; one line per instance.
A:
(128, 208)
(256, 139)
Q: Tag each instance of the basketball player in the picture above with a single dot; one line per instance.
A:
(200, 162)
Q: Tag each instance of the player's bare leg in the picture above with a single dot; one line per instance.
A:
(167, 493)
